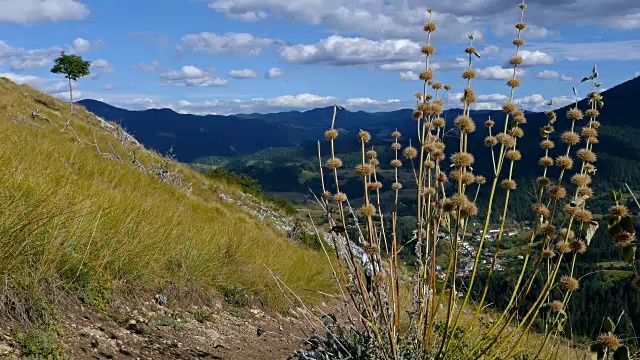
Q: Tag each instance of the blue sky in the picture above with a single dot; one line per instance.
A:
(233, 56)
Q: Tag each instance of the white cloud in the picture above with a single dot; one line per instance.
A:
(152, 67)
(548, 74)
(404, 66)
(239, 43)
(81, 45)
(490, 50)
(21, 79)
(637, 73)
(100, 67)
(29, 11)
(243, 74)
(566, 78)
(193, 77)
(624, 50)
(497, 73)
(534, 58)
(409, 75)
(22, 59)
(338, 50)
(274, 73)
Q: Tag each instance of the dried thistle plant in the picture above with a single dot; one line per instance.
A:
(446, 193)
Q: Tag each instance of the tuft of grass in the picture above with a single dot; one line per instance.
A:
(72, 213)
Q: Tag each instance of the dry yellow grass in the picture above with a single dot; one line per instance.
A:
(69, 215)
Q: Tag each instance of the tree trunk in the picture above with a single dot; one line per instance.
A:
(71, 106)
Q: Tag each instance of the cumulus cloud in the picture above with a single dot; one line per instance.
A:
(193, 77)
(624, 50)
(152, 67)
(243, 74)
(553, 75)
(239, 43)
(29, 11)
(21, 79)
(100, 67)
(497, 73)
(22, 59)
(81, 45)
(338, 50)
(404, 66)
(274, 73)
(409, 75)
(534, 58)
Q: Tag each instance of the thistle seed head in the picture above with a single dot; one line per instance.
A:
(480, 180)
(579, 246)
(374, 186)
(489, 123)
(429, 164)
(396, 146)
(518, 42)
(428, 50)
(508, 184)
(430, 27)
(543, 181)
(624, 238)
(570, 138)
(589, 132)
(417, 115)
(610, 341)
(581, 179)
(586, 155)
(410, 152)
(442, 178)
(568, 283)
(437, 85)
(467, 178)
(326, 195)
(364, 136)
(396, 134)
(331, 134)
(363, 170)
(592, 140)
(469, 96)
(374, 162)
(490, 141)
(575, 114)
(429, 191)
(395, 163)
(513, 83)
(513, 155)
(340, 197)
(470, 50)
(582, 215)
(469, 74)
(372, 154)
(541, 210)
(516, 132)
(520, 119)
(557, 306)
(509, 108)
(521, 26)
(396, 186)
(438, 122)
(516, 60)
(548, 230)
(594, 124)
(564, 162)
(557, 192)
(548, 253)
(465, 124)
(507, 140)
(592, 113)
(462, 159)
(334, 163)
(564, 247)
(619, 210)
(585, 191)
(426, 75)
(368, 210)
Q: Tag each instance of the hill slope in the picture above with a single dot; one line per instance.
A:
(77, 216)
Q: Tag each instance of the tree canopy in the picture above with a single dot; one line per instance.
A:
(72, 66)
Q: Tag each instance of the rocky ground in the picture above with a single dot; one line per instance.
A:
(151, 330)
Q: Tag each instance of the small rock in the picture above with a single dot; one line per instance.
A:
(5, 349)
(161, 299)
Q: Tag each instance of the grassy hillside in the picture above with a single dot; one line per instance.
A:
(75, 219)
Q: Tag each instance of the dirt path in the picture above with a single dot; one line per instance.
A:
(153, 331)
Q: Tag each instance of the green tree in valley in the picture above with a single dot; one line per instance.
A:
(73, 67)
